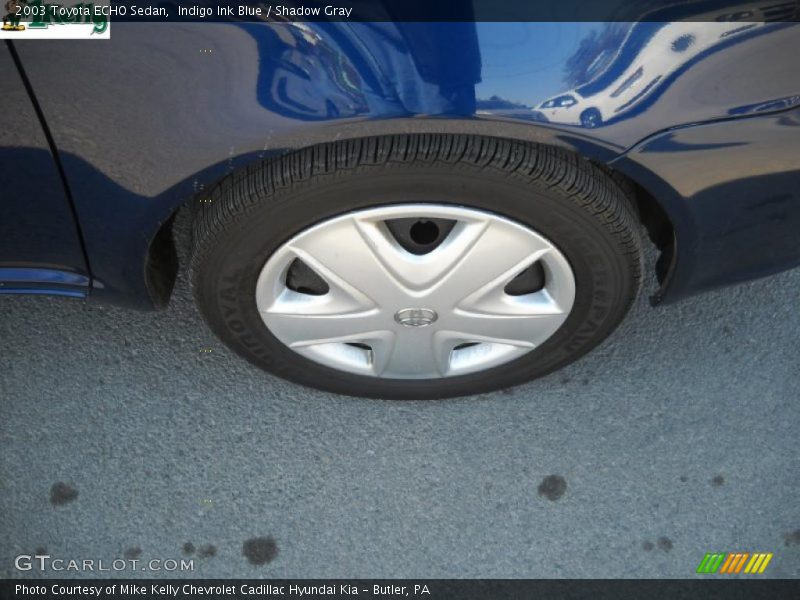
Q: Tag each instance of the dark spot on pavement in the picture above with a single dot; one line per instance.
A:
(664, 543)
(260, 550)
(684, 478)
(718, 480)
(188, 548)
(207, 551)
(565, 380)
(792, 538)
(647, 546)
(553, 487)
(61, 493)
(133, 553)
(40, 551)
(585, 382)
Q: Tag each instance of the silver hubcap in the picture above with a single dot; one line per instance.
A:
(387, 312)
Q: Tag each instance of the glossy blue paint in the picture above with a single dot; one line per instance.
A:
(37, 228)
(732, 190)
(43, 292)
(142, 129)
(51, 282)
(45, 276)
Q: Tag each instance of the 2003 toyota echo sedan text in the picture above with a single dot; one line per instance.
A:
(403, 210)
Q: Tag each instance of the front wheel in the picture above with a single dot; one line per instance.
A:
(416, 266)
(591, 118)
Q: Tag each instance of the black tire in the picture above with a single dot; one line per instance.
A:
(569, 200)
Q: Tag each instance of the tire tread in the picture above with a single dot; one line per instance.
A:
(562, 171)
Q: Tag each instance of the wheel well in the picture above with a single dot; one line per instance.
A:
(162, 261)
(656, 222)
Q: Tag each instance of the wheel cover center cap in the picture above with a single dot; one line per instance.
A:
(416, 317)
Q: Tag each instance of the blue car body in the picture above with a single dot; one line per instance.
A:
(103, 142)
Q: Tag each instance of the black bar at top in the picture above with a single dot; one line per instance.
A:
(449, 10)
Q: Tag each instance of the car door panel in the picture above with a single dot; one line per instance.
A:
(40, 244)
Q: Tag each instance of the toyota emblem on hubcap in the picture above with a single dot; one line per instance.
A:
(416, 317)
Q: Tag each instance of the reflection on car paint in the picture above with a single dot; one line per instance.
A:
(367, 69)
(650, 53)
(619, 69)
(768, 106)
(303, 75)
(360, 69)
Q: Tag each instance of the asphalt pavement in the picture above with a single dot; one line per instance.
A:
(139, 436)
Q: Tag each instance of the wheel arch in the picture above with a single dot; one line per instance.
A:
(161, 258)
